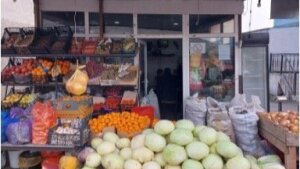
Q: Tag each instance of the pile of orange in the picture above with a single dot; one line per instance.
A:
(124, 122)
(64, 66)
(39, 71)
(46, 63)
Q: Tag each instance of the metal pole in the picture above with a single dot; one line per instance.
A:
(36, 4)
(101, 19)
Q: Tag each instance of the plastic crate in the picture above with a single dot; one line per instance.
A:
(43, 40)
(9, 37)
(63, 40)
(23, 42)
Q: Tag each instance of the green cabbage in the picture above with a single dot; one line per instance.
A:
(253, 162)
(160, 159)
(268, 159)
(227, 149)
(132, 164)
(212, 161)
(164, 127)
(197, 150)
(155, 142)
(238, 163)
(113, 161)
(197, 130)
(213, 149)
(185, 124)
(191, 164)
(181, 137)
(222, 136)
(208, 136)
(174, 154)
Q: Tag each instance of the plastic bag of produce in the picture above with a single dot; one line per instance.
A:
(218, 118)
(245, 127)
(19, 132)
(43, 118)
(238, 100)
(151, 99)
(16, 112)
(195, 110)
(5, 121)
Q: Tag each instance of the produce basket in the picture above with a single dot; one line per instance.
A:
(9, 37)
(25, 40)
(39, 79)
(89, 47)
(129, 46)
(44, 38)
(76, 45)
(11, 99)
(22, 79)
(63, 41)
(6, 74)
(117, 47)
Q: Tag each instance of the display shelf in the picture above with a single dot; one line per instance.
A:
(62, 84)
(31, 147)
(69, 56)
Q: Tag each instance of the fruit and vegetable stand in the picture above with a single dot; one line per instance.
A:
(283, 139)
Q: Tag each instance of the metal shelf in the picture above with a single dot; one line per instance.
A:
(69, 56)
(61, 84)
(38, 147)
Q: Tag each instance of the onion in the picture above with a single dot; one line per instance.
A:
(294, 128)
(284, 122)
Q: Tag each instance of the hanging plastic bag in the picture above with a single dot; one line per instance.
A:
(218, 118)
(19, 132)
(246, 131)
(77, 83)
(195, 110)
(151, 100)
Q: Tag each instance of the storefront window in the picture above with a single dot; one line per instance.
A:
(50, 19)
(159, 24)
(212, 67)
(113, 23)
(211, 23)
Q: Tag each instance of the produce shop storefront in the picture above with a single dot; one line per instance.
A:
(85, 105)
(209, 31)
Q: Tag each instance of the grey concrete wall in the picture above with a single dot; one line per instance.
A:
(284, 40)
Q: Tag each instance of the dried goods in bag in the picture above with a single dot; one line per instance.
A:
(218, 118)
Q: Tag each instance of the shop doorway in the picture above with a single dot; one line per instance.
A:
(162, 72)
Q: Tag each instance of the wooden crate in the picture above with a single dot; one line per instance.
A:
(281, 138)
